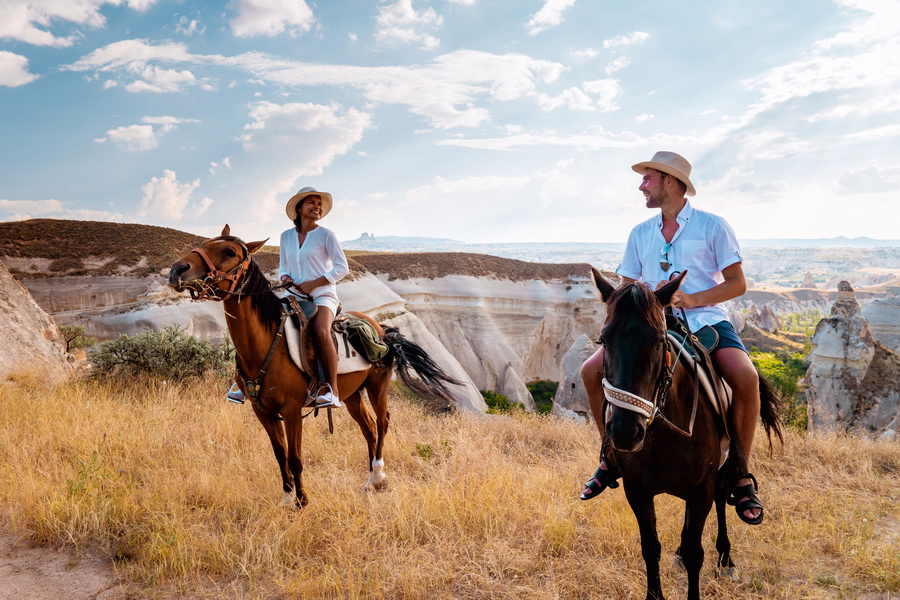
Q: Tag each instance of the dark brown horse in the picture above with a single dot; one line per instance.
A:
(664, 442)
(222, 269)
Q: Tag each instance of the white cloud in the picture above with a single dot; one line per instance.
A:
(573, 98)
(550, 15)
(606, 91)
(643, 118)
(446, 92)
(587, 53)
(617, 64)
(29, 20)
(14, 70)
(283, 143)
(630, 39)
(871, 179)
(136, 138)
(167, 199)
(592, 139)
(400, 23)
(271, 17)
(189, 27)
(159, 80)
(21, 210)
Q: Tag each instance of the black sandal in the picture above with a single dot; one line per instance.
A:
(752, 499)
(602, 479)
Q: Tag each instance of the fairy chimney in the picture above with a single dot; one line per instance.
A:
(852, 379)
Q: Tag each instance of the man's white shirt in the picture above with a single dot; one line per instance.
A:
(703, 245)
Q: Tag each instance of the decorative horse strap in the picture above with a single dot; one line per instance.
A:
(652, 409)
(213, 276)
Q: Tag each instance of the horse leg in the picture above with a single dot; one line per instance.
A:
(697, 505)
(293, 425)
(377, 387)
(724, 565)
(279, 447)
(644, 510)
(359, 413)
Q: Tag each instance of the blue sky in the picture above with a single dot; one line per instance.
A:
(475, 120)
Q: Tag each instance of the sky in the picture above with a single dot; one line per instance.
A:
(474, 120)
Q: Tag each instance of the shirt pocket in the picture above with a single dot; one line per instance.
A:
(694, 254)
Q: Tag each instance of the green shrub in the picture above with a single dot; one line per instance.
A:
(497, 403)
(543, 392)
(168, 354)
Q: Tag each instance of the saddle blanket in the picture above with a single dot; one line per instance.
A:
(349, 360)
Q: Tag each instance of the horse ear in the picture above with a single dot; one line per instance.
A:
(226, 230)
(664, 294)
(605, 287)
(254, 246)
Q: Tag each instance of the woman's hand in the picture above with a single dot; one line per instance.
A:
(307, 287)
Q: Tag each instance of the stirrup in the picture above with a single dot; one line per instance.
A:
(235, 394)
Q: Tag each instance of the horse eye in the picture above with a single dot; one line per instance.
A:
(230, 253)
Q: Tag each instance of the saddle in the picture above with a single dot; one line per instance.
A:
(694, 350)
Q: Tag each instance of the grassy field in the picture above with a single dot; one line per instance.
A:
(179, 489)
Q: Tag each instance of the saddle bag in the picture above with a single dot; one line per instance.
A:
(706, 336)
(362, 336)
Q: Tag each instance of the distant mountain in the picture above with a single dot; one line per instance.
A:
(837, 242)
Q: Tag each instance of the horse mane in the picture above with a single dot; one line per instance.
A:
(635, 300)
(258, 290)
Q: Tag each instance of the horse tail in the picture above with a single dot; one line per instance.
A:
(770, 407)
(431, 380)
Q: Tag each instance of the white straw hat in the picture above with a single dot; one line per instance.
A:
(296, 199)
(671, 164)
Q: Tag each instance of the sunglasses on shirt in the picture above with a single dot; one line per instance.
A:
(664, 262)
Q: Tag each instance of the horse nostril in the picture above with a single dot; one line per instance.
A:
(178, 269)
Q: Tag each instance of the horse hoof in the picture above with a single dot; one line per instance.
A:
(729, 573)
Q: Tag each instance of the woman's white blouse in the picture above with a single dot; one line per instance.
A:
(320, 255)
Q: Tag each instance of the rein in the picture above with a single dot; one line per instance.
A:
(650, 410)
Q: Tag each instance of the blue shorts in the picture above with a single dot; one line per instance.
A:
(728, 337)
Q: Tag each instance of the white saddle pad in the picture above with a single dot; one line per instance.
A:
(349, 360)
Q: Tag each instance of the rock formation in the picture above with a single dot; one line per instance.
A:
(852, 379)
(763, 317)
(571, 398)
(808, 281)
(884, 321)
(29, 339)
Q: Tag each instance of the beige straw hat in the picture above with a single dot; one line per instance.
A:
(672, 164)
(296, 199)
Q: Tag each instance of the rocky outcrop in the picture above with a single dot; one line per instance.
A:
(29, 338)
(571, 397)
(852, 379)
(764, 318)
(504, 332)
(808, 281)
(884, 322)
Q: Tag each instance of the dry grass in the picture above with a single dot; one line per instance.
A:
(180, 489)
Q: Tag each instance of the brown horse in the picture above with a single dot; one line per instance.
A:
(665, 436)
(222, 269)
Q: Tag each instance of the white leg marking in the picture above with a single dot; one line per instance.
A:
(288, 501)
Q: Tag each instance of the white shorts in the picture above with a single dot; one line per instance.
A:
(328, 299)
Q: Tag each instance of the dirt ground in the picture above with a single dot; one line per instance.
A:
(28, 572)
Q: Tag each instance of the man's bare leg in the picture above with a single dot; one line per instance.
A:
(592, 376)
(735, 367)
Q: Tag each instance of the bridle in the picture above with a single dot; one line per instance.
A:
(652, 409)
(208, 286)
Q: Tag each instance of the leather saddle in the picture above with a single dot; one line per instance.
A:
(301, 344)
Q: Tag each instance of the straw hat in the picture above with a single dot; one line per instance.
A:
(296, 199)
(671, 164)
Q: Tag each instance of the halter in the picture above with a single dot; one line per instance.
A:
(214, 276)
(651, 409)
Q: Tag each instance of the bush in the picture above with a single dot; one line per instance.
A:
(169, 354)
(784, 370)
(497, 403)
(543, 392)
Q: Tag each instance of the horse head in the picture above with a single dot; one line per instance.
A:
(635, 358)
(215, 269)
